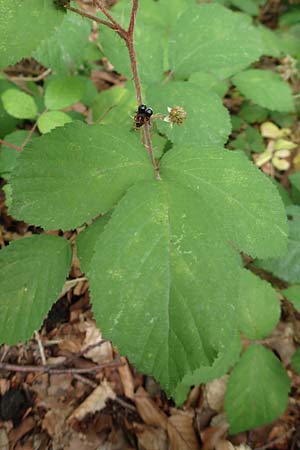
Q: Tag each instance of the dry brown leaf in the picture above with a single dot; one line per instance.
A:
(94, 402)
(126, 379)
(148, 410)
(224, 445)
(100, 354)
(181, 431)
(215, 392)
(151, 438)
(4, 443)
(17, 433)
(54, 422)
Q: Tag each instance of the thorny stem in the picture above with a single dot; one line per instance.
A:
(128, 37)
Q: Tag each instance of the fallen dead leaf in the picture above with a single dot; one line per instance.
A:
(181, 431)
(100, 354)
(148, 410)
(17, 433)
(126, 379)
(94, 402)
(215, 392)
(151, 438)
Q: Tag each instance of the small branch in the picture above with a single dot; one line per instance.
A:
(12, 146)
(134, 69)
(29, 135)
(148, 145)
(35, 79)
(116, 25)
(52, 369)
(132, 18)
(92, 17)
(40, 346)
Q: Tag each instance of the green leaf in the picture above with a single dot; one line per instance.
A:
(207, 120)
(247, 6)
(19, 104)
(266, 89)
(296, 361)
(76, 172)
(209, 81)
(295, 183)
(253, 113)
(23, 25)
(114, 106)
(8, 156)
(33, 272)
(292, 293)
(240, 201)
(271, 42)
(213, 39)
(287, 267)
(290, 41)
(250, 140)
(257, 390)
(52, 119)
(156, 268)
(64, 51)
(291, 17)
(227, 358)
(7, 122)
(258, 306)
(63, 91)
(150, 56)
(86, 241)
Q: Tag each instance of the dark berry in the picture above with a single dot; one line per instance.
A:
(149, 112)
(142, 109)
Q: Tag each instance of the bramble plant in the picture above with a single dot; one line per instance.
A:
(161, 223)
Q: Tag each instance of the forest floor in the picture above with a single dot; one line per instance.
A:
(94, 399)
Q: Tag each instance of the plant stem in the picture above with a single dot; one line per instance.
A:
(8, 144)
(128, 37)
(134, 68)
(110, 18)
(91, 16)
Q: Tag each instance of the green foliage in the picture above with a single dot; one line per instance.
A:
(33, 272)
(19, 104)
(258, 307)
(155, 254)
(218, 41)
(161, 253)
(292, 293)
(207, 121)
(114, 106)
(235, 193)
(296, 361)
(52, 119)
(266, 89)
(257, 390)
(250, 140)
(253, 113)
(287, 267)
(207, 80)
(64, 51)
(8, 156)
(247, 6)
(58, 178)
(63, 91)
(23, 25)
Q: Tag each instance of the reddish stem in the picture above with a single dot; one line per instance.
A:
(128, 37)
(110, 18)
(8, 144)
